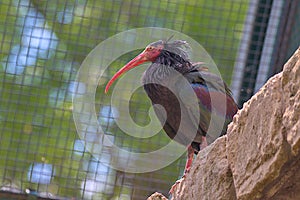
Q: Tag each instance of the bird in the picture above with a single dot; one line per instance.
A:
(170, 65)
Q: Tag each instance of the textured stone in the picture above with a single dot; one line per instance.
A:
(210, 177)
(259, 158)
(257, 148)
(291, 93)
(157, 196)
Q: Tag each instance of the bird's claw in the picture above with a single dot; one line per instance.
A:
(187, 170)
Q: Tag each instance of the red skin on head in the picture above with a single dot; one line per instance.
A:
(148, 55)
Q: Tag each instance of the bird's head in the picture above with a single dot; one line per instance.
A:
(150, 54)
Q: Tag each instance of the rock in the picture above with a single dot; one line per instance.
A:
(291, 91)
(257, 147)
(210, 177)
(259, 158)
(157, 196)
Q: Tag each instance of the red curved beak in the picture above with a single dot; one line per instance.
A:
(138, 60)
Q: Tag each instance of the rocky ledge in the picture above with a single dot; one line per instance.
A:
(259, 158)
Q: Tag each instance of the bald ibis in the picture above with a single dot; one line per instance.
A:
(167, 56)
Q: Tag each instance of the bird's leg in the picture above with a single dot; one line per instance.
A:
(188, 164)
(189, 160)
(203, 143)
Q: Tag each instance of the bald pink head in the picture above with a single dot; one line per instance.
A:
(148, 55)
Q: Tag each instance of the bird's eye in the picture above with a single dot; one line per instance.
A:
(150, 48)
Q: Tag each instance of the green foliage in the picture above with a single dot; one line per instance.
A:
(36, 123)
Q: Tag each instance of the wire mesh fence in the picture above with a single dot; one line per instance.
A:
(43, 44)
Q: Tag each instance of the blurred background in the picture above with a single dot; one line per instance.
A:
(42, 45)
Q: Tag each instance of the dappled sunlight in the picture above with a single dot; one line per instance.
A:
(108, 115)
(41, 173)
(97, 145)
(38, 41)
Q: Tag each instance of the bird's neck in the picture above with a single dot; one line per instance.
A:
(173, 60)
(164, 72)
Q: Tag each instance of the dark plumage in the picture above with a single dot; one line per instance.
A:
(214, 103)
